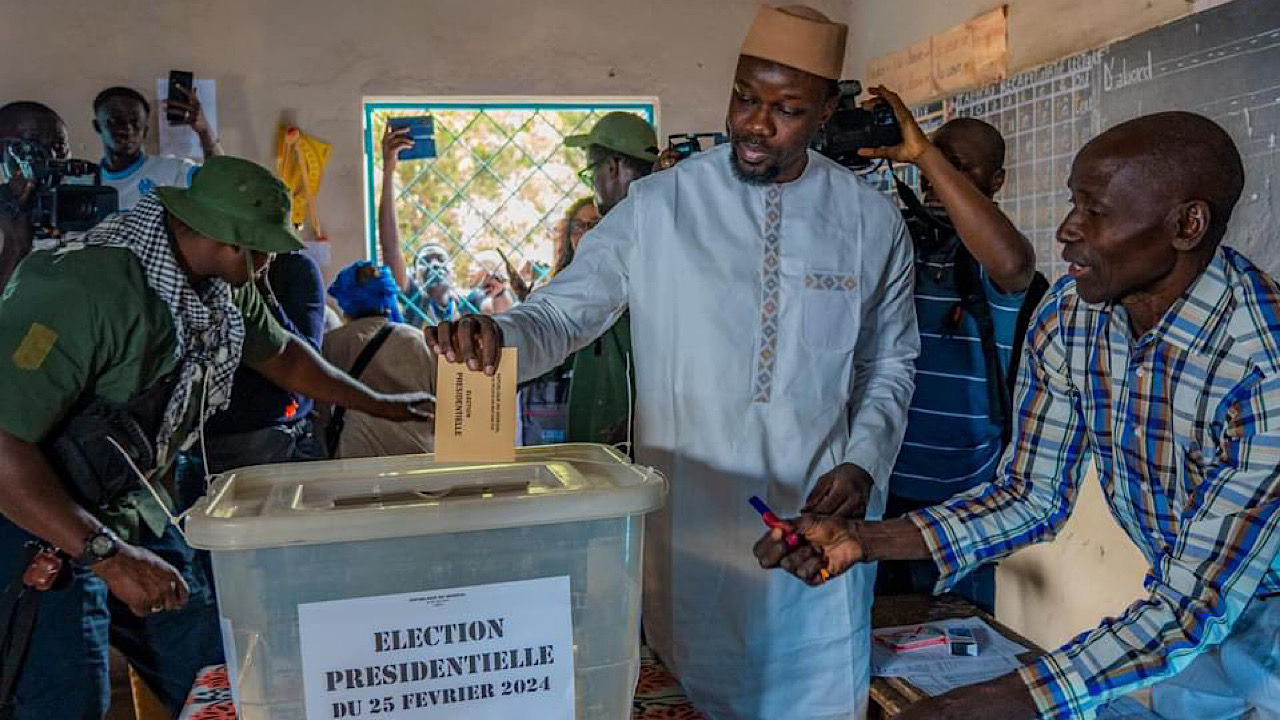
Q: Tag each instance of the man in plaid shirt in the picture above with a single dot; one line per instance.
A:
(1158, 357)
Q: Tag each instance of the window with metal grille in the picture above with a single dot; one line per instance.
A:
(500, 184)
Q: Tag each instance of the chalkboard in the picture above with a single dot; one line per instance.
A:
(1223, 63)
(1045, 115)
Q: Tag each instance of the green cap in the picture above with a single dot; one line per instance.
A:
(237, 202)
(622, 132)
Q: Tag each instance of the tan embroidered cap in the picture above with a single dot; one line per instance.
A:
(800, 37)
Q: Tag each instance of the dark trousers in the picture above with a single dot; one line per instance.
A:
(277, 444)
(295, 442)
(66, 672)
(901, 577)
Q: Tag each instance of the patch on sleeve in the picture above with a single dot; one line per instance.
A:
(35, 347)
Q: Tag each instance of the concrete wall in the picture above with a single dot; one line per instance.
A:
(1039, 30)
(312, 62)
(1052, 592)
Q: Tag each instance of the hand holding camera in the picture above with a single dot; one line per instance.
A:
(914, 142)
(35, 187)
(853, 128)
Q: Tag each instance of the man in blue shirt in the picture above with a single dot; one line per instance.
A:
(266, 423)
(965, 246)
(428, 295)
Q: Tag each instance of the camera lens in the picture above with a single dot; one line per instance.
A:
(75, 207)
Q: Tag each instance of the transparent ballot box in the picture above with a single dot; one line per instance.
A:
(308, 554)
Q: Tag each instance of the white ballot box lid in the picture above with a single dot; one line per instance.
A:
(268, 506)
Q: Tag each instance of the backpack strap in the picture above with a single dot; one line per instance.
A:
(1035, 293)
(917, 210)
(1001, 383)
(973, 300)
(333, 433)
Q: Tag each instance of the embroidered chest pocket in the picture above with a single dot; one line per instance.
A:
(830, 310)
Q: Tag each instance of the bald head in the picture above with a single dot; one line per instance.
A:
(976, 149)
(1183, 156)
(1150, 202)
(35, 122)
(16, 112)
(980, 139)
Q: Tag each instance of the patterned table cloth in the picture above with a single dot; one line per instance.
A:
(658, 695)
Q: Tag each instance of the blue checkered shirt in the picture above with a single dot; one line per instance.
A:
(1183, 426)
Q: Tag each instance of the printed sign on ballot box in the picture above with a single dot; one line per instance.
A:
(486, 652)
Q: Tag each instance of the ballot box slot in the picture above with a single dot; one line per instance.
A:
(424, 486)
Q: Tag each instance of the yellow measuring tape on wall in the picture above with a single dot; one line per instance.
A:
(300, 163)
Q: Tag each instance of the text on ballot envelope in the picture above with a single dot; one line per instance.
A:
(476, 414)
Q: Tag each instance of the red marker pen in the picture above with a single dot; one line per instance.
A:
(773, 521)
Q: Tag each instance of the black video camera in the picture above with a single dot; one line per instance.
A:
(57, 207)
(853, 127)
(689, 143)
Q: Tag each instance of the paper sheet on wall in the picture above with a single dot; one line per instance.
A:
(917, 80)
(990, 46)
(908, 72)
(963, 57)
(887, 70)
(971, 54)
(181, 140)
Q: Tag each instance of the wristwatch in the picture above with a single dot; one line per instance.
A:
(100, 545)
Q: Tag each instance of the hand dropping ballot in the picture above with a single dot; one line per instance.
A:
(475, 413)
(485, 652)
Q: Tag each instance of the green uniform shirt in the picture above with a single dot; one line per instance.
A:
(85, 322)
(598, 392)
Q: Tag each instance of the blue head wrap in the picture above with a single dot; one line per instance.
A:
(374, 295)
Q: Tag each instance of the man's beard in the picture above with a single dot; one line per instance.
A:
(765, 175)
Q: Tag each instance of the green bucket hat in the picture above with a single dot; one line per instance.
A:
(622, 132)
(237, 202)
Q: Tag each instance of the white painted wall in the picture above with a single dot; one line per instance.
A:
(312, 63)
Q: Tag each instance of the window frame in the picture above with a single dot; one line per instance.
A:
(647, 106)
